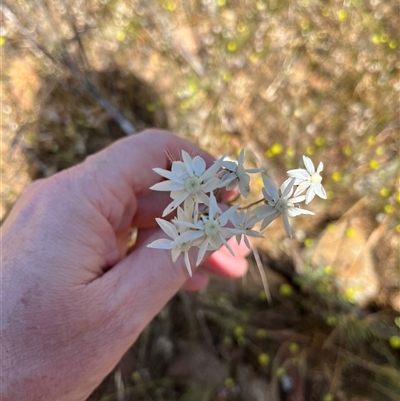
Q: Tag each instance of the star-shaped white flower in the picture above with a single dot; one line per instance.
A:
(279, 203)
(182, 239)
(245, 221)
(215, 230)
(212, 225)
(189, 181)
(309, 180)
(235, 174)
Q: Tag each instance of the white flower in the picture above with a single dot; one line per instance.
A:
(245, 221)
(182, 239)
(213, 228)
(310, 179)
(279, 204)
(189, 181)
(235, 174)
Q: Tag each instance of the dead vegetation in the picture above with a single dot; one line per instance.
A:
(281, 79)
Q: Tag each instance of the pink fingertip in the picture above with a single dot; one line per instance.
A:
(224, 264)
(197, 282)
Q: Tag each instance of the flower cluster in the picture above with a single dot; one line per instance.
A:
(200, 222)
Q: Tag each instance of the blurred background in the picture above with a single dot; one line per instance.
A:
(281, 79)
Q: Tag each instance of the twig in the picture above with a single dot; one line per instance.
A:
(77, 37)
(123, 123)
(251, 204)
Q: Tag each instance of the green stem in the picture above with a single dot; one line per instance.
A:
(251, 204)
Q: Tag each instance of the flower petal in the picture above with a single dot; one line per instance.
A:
(263, 211)
(187, 263)
(167, 186)
(215, 242)
(232, 185)
(228, 232)
(188, 236)
(287, 188)
(223, 219)
(174, 204)
(244, 187)
(169, 174)
(224, 241)
(188, 224)
(320, 167)
(213, 207)
(199, 166)
(212, 171)
(298, 199)
(254, 170)
(201, 197)
(299, 173)
(210, 184)
(269, 198)
(188, 162)
(270, 187)
(268, 220)
(310, 195)
(175, 252)
(202, 251)
(254, 233)
(286, 224)
(231, 166)
(241, 157)
(177, 194)
(182, 214)
(190, 205)
(302, 187)
(309, 165)
(167, 227)
(161, 243)
(297, 211)
(320, 191)
(247, 242)
(179, 169)
(226, 179)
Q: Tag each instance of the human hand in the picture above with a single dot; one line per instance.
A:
(73, 301)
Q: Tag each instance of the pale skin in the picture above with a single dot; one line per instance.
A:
(73, 300)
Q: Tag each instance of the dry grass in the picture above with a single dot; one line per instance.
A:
(281, 79)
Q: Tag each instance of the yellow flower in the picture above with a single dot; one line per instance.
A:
(336, 176)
